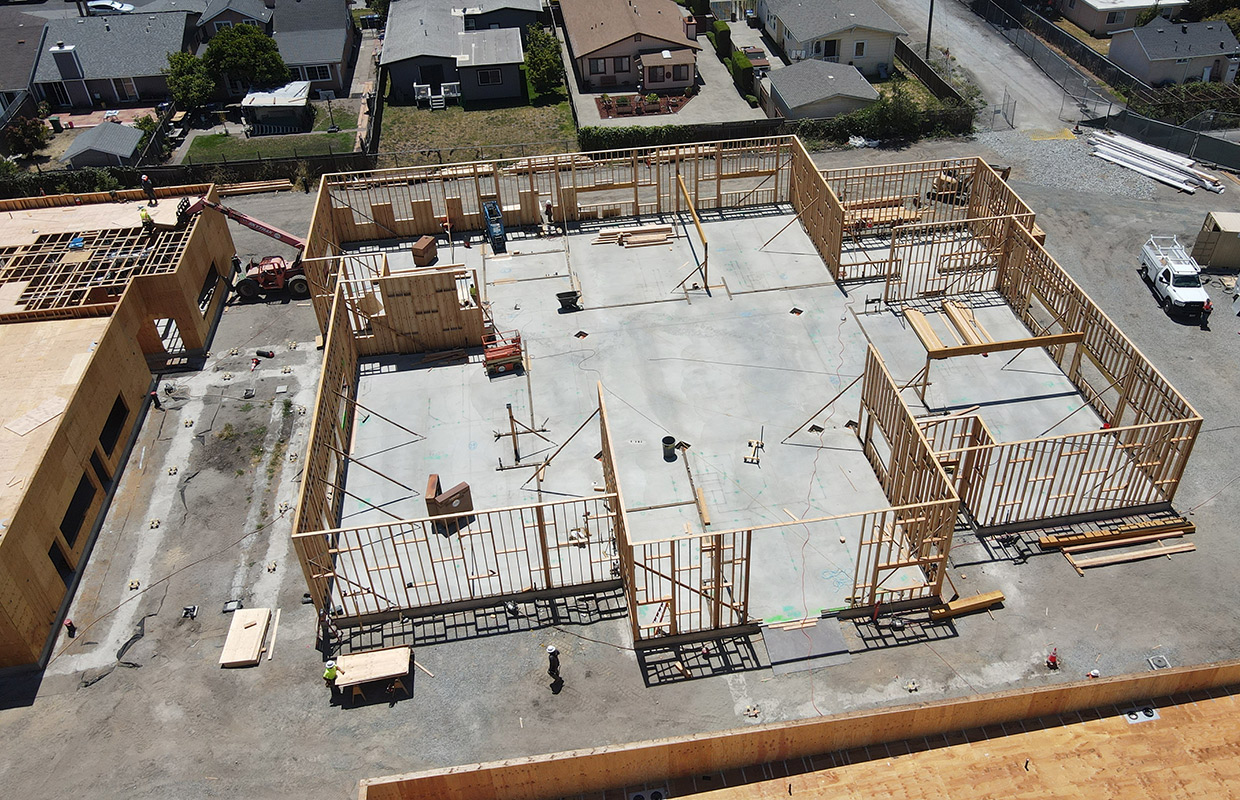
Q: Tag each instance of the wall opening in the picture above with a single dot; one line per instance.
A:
(114, 425)
(75, 514)
(61, 563)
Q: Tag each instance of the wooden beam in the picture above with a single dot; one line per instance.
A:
(965, 605)
(1164, 527)
(353, 460)
(1007, 344)
(374, 413)
(1152, 552)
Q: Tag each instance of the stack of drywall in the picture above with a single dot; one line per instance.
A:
(636, 237)
(1162, 165)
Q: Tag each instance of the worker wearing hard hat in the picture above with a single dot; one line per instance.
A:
(329, 676)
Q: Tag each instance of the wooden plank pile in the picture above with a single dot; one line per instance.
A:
(966, 605)
(1153, 531)
(244, 644)
(643, 236)
(1164, 166)
(255, 187)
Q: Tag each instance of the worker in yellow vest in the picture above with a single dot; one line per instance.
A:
(329, 677)
(145, 216)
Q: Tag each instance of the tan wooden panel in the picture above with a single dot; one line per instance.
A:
(246, 633)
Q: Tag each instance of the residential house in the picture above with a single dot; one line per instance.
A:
(1165, 52)
(428, 55)
(108, 144)
(630, 42)
(316, 38)
(816, 90)
(89, 61)
(855, 32)
(516, 14)
(21, 38)
(1101, 17)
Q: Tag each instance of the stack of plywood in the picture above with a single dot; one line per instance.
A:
(246, 634)
(642, 236)
(255, 187)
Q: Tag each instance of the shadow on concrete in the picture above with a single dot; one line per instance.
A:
(690, 661)
(19, 687)
(478, 623)
(901, 630)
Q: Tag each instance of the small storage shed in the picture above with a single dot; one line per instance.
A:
(283, 110)
(108, 144)
(1218, 244)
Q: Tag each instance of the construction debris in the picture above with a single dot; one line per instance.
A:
(642, 236)
(1164, 166)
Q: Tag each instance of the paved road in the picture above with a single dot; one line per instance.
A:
(991, 61)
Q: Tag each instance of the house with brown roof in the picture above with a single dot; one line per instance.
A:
(630, 42)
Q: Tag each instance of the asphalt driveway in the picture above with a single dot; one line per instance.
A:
(991, 61)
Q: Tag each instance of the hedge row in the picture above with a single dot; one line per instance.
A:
(894, 118)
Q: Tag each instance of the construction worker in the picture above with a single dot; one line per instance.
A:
(329, 677)
(553, 662)
(149, 188)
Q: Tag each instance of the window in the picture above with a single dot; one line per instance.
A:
(858, 49)
(489, 77)
(637, 37)
(657, 74)
(296, 74)
(1071, 3)
(253, 22)
(598, 66)
(114, 425)
(75, 514)
(470, 23)
(680, 72)
(494, 26)
(222, 25)
(60, 563)
(318, 72)
(620, 64)
(818, 47)
(101, 470)
(1116, 17)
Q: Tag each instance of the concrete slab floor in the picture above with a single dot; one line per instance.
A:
(180, 726)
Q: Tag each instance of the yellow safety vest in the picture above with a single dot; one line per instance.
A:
(329, 674)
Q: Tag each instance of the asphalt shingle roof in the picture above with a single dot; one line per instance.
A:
(594, 24)
(810, 81)
(418, 28)
(814, 19)
(20, 35)
(1163, 39)
(108, 137)
(311, 31)
(120, 46)
(251, 8)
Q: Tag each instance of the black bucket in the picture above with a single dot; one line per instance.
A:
(669, 448)
(569, 301)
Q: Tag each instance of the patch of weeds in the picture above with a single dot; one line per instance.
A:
(288, 408)
(247, 407)
(240, 472)
(228, 433)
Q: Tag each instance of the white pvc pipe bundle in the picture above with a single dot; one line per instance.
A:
(1164, 166)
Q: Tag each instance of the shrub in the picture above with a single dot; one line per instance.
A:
(742, 72)
(722, 40)
(751, 100)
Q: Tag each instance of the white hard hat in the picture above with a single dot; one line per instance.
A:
(331, 664)
(551, 648)
(145, 178)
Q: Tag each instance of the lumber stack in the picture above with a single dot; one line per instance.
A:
(1137, 531)
(255, 187)
(1177, 171)
(642, 236)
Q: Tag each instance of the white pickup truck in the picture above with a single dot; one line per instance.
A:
(1175, 277)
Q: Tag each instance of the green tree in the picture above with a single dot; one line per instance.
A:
(1232, 17)
(1148, 15)
(25, 135)
(542, 60)
(189, 82)
(380, 7)
(244, 53)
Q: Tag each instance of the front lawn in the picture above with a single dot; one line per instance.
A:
(217, 147)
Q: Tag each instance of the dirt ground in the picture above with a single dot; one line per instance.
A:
(138, 707)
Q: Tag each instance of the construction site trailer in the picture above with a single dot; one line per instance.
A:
(1218, 244)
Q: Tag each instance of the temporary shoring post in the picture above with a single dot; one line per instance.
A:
(697, 223)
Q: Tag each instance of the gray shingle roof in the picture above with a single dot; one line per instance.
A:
(192, 6)
(1164, 40)
(489, 48)
(419, 28)
(814, 19)
(251, 8)
(311, 31)
(810, 81)
(20, 35)
(108, 137)
(121, 46)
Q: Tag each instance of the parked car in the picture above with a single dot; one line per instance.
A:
(109, 7)
(1175, 278)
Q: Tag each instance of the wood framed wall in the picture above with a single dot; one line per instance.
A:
(912, 539)
(600, 770)
(409, 202)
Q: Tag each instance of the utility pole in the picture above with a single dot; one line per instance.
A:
(929, 26)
